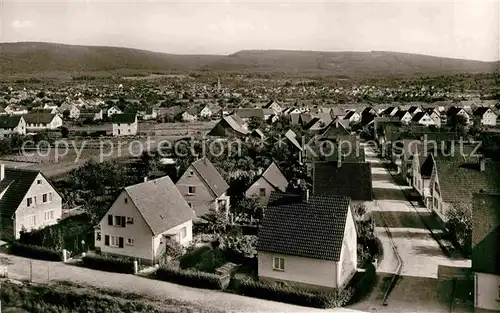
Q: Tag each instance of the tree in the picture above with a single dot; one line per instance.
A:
(251, 208)
(149, 162)
(64, 132)
(217, 221)
(255, 123)
(459, 223)
(66, 114)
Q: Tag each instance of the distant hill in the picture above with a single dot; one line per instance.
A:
(35, 57)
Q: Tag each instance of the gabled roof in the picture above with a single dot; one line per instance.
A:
(352, 180)
(480, 111)
(412, 109)
(389, 111)
(39, 118)
(312, 229)
(160, 204)
(334, 130)
(211, 176)
(9, 121)
(349, 115)
(401, 113)
(17, 182)
(292, 137)
(418, 116)
(125, 118)
(486, 233)
(233, 122)
(460, 177)
(257, 133)
(275, 177)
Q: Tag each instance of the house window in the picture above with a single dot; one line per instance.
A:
(126, 200)
(39, 182)
(50, 196)
(44, 198)
(262, 192)
(130, 241)
(190, 204)
(118, 221)
(116, 241)
(191, 173)
(130, 220)
(98, 236)
(118, 130)
(192, 190)
(49, 215)
(279, 264)
(435, 203)
(436, 187)
(29, 202)
(183, 232)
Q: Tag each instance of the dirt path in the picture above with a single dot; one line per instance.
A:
(19, 268)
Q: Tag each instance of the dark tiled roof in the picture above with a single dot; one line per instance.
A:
(9, 121)
(460, 177)
(400, 114)
(160, 204)
(211, 176)
(334, 130)
(312, 229)
(486, 233)
(480, 111)
(418, 116)
(38, 118)
(126, 118)
(17, 182)
(249, 112)
(412, 109)
(349, 115)
(352, 180)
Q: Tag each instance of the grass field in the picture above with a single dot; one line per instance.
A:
(59, 160)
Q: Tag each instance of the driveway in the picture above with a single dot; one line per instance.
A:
(19, 268)
(405, 235)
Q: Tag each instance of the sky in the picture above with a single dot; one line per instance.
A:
(465, 29)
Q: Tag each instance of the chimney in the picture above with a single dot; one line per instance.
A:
(306, 195)
(145, 178)
(482, 164)
(2, 171)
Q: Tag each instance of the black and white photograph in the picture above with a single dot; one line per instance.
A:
(232, 156)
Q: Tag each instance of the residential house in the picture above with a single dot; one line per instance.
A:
(15, 109)
(455, 178)
(42, 121)
(203, 188)
(112, 111)
(486, 251)
(453, 112)
(257, 134)
(340, 178)
(28, 201)
(143, 219)
(124, 124)
(403, 116)
(188, 115)
(435, 116)
(337, 113)
(149, 114)
(93, 114)
(334, 130)
(414, 110)
(272, 179)
(291, 137)
(14, 124)
(206, 112)
(422, 118)
(275, 106)
(485, 116)
(229, 126)
(352, 116)
(308, 240)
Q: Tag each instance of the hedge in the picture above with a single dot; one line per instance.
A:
(190, 278)
(295, 295)
(35, 252)
(110, 264)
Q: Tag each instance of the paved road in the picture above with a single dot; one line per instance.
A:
(418, 289)
(19, 268)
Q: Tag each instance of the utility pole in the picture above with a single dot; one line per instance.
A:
(48, 273)
(31, 271)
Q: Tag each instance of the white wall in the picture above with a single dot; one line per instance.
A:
(24, 214)
(298, 269)
(125, 129)
(348, 255)
(487, 291)
(254, 190)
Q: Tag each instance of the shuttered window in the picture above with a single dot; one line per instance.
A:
(106, 240)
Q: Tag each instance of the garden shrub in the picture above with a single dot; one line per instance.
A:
(295, 295)
(35, 252)
(191, 278)
(364, 285)
(110, 264)
(192, 256)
